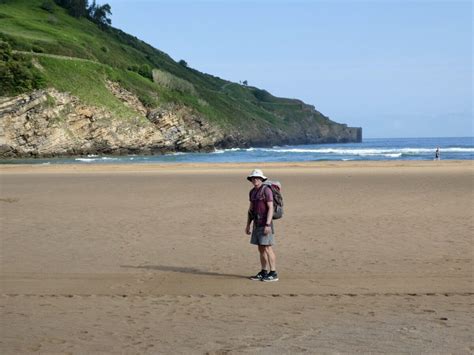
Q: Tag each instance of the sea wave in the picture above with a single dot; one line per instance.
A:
(395, 152)
(220, 151)
(98, 159)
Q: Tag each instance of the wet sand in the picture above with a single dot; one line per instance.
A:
(372, 257)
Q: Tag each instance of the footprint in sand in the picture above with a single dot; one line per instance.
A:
(9, 199)
(85, 335)
(35, 348)
(131, 321)
(443, 321)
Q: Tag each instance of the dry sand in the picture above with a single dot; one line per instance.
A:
(373, 257)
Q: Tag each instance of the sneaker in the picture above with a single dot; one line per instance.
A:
(270, 277)
(259, 276)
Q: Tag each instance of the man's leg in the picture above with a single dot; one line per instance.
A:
(272, 275)
(264, 261)
(263, 257)
(270, 257)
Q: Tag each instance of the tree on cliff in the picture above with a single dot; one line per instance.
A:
(99, 13)
(80, 8)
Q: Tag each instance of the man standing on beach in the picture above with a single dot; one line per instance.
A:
(261, 214)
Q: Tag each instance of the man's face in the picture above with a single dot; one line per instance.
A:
(257, 182)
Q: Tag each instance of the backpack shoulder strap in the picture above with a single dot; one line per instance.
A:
(263, 189)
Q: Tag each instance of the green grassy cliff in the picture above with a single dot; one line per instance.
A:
(75, 56)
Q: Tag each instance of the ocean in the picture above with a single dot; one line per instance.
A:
(371, 149)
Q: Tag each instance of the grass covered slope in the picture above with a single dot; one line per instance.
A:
(77, 56)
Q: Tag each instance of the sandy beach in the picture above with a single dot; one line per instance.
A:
(372, 257)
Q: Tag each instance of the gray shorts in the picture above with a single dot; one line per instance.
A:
(259, 238)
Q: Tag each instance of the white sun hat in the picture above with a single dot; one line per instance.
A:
(257, 173)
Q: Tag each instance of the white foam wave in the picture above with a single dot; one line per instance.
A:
(392, 152)
(220, 151)
(91, 160)
(107, 158)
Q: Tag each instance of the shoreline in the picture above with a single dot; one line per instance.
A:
(139, 167)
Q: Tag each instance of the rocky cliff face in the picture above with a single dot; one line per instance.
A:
(50, 123)
(311, 129)
(47, 123)
(305, 132)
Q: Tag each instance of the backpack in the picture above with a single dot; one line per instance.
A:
(275, 186)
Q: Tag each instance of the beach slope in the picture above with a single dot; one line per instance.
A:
(372, 257)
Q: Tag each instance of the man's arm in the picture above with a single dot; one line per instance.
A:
(249, 219)
(268, 228)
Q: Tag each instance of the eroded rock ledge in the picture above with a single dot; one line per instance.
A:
(50, 123)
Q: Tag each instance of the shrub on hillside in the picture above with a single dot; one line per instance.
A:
(144, 70)
(262, 95)
(146, 100)
(37, 49)
(17, 74)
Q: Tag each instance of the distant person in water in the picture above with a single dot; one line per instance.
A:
(260, 213)
(437, 156)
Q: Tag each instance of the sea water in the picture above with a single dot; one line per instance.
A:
(371, 149)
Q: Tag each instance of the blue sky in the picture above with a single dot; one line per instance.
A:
(396, 68)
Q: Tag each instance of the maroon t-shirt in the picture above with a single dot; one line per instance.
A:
(259, 201)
